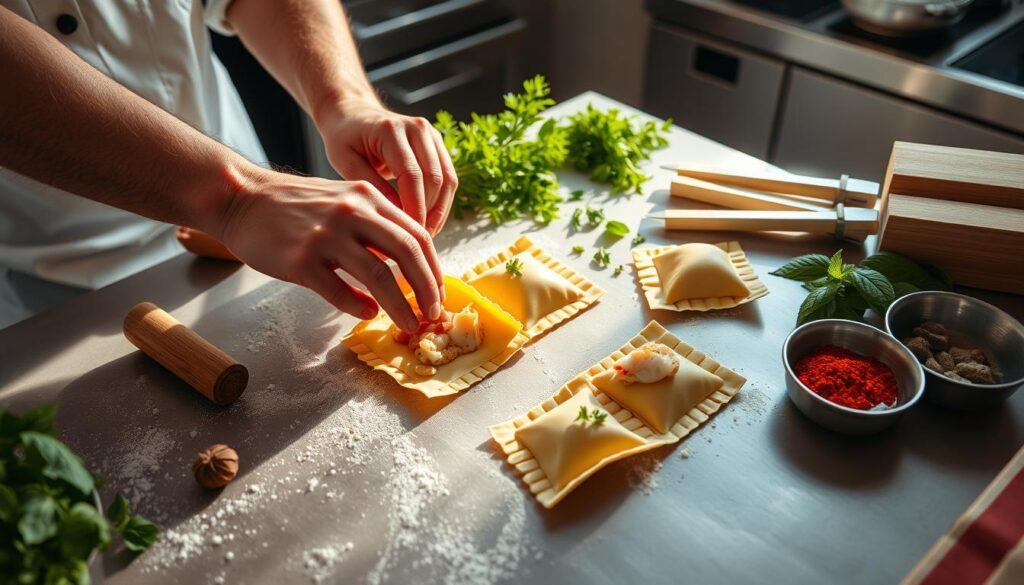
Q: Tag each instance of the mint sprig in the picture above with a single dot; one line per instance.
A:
(845, 291)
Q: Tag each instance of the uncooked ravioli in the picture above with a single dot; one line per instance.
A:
(661, 404)
(698, 271)
(530, 297)
(565, 448)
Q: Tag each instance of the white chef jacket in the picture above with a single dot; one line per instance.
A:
(159, 49)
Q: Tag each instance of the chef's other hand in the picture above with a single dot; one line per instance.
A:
(301, 229)
(365, 141)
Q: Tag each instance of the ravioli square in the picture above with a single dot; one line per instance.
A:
(546, 293)
(676, 405)
(555, 451)
(697, 277)
(503, 336)
(554, 457)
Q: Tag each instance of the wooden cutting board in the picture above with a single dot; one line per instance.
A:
(956, 174)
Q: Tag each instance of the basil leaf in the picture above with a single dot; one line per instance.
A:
(139, 534)
(874, 287)
(38, 520)
(847, 307)
(82, 531)
(56, 461)
(899, 268)
(8, 504)
(804, 268)
(818, 299)
(900, 289)
(616, 229)
(118, 512)
(835, 265)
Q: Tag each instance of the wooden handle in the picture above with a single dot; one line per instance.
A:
(858, 193)
(195, 360)
(858, 221)
(203, 244)
(736, 198)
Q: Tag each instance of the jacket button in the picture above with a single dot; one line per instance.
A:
(67, 24)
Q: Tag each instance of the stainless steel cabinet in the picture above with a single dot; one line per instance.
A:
(713, 89)
(830, 127)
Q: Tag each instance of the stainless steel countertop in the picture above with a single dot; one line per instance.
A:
(765, 496)
(929, 80)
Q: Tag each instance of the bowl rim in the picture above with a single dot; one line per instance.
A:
(900, 408)
(950, 294)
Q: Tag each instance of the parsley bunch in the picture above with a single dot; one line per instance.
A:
(502, 172)
(845, 291)
(507, 171)
(49, 525)
(609, 147)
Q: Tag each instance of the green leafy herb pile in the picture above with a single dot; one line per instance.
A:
(845, 291)
(507, 173)
(607, 146)
(49, 525)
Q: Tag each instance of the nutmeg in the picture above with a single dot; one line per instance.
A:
(215, 466)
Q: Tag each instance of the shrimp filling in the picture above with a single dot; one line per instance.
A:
(647, 364)
(436, 343)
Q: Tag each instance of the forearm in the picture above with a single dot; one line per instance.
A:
(308, 47)
(64, 123)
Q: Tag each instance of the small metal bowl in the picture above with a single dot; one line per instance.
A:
(973, 323)
(867, 341)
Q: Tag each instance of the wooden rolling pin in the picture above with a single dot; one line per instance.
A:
(858, 193)
(195, 360)
(858, 221)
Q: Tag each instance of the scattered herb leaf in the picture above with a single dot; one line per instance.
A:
(602, 258)
(577, 195)
(576, 221)
(616, 229)
(579, 249)
(583, 414)
(595, 216)
(596, 415)
(618, 270)
(514, 266)
(599, 416)
(638, 239)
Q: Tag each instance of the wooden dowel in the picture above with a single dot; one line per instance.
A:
(736, 198)
(858, 221)
(195, 360)
(858, 193)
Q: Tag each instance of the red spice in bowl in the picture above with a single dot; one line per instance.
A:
(847, 378)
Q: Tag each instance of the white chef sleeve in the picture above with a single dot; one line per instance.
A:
(215, 15)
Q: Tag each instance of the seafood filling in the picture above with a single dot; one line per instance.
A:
(440, 342)
(648, 363)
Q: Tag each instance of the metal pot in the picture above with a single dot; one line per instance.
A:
(906, 17)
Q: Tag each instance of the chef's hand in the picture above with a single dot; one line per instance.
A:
(365, 141)
(301, 229)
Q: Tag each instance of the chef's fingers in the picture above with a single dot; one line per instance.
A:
(326, 283)
(420, 138)
(438, 214)
(390, 211)
(377, 277)
(356, 168)
(401, 161)
(404, 248)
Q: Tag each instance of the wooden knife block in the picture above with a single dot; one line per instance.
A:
(960, 209)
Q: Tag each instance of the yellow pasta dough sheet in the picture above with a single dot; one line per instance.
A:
(546, 294)
(713, 287)
(502, 337)
(555, 452)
